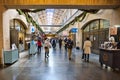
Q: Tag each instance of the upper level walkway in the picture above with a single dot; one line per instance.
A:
(57, 67)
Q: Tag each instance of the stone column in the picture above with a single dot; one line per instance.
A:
(2, 9)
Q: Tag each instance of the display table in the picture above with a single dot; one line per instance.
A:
(110, 57)
(10, 56)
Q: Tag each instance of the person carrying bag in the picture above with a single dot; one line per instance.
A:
(47, 45)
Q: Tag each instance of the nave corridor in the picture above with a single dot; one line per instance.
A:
(57, 67)
(26, 25)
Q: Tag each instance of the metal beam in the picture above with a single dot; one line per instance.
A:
(62, 6)
(50, 25)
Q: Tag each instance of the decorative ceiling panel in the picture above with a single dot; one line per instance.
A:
(51, 17)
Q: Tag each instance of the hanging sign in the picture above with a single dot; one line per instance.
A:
(74, 30)
(32, 29)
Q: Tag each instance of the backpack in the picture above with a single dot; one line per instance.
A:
(69, 44)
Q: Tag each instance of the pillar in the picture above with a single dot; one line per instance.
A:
(2, 9)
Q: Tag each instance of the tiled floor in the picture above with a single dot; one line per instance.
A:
(57, 67)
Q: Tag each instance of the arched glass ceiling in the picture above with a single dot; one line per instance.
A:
(51, 16)
(51, 20)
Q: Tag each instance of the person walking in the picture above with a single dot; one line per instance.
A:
(87, 49)
(54, 43)
(39, 44)
(60, 43)
(47, 45)
(65, 44)
(69, 46)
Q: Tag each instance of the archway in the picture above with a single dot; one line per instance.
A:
(18, 33)
(98, 32)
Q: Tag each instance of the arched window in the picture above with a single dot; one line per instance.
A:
(17, 32)
(96, 25)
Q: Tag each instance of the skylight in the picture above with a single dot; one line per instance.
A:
(49, 17)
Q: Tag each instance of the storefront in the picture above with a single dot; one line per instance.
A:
(98, 32)
(17, 34)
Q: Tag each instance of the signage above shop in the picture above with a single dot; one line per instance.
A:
(74, 30)
(32, 29)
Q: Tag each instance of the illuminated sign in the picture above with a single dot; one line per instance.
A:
(74, 30)
(32, 29)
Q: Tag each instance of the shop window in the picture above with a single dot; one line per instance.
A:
(104, 24)
(94, 25)
(22, 28)
(86, 29)
(17, 27)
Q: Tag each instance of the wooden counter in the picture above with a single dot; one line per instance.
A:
(110, 57)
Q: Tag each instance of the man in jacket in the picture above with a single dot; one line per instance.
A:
(69, 46)
(65, 44)
(60, 43)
